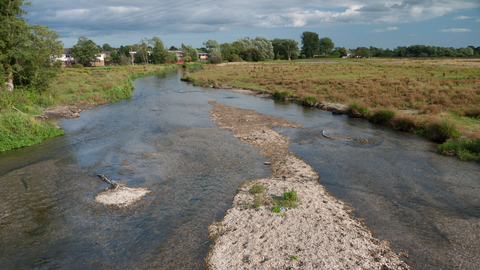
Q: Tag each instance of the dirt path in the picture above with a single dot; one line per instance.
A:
(319, 234)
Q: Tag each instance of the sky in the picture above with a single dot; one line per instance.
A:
(349, 23)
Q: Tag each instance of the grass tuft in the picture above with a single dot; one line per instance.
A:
(466, 149)
(441, 130)
(381, 117)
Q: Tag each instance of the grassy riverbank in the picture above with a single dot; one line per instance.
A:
(81, 87)
(439, 99)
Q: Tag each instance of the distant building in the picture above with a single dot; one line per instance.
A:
(202, 55)
(68, 60)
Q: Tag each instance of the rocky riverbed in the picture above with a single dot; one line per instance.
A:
(317, 232)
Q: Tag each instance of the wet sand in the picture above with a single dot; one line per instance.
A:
(320, 234)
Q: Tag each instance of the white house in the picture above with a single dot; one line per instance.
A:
(67, 58)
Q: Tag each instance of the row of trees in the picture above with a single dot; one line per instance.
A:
(26, 50)
(417, 51)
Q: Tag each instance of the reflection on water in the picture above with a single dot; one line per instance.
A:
(421, 202)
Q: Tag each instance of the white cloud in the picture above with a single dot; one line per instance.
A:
(383, 30)
(202, 16)
(456, 30)
(462, 17)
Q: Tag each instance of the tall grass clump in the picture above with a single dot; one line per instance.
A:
(404, 122)
(355, 108)
(282, 95)
(441, 130)
(466, 149)
(381, 117)
(18, 130)
(308, 100)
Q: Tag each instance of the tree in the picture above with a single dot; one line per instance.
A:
(107, 47)
(172, 57)
(85, 51)
(262, 44)
(160, 53)
(190, 54)
(290, 47)
(326, 45)
(27, 51)
(310, 43)
(211, 45)
(143, 50)
(173, 48)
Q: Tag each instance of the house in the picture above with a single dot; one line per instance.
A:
(179, 53)
(202, 56)
(68, 60)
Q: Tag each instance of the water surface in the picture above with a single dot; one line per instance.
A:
(422, 202)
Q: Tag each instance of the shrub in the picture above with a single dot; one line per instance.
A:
(216, 59)
(441, 130)
(381, 117)
(77, 66)
(290, 195)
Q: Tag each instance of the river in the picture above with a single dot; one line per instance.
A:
(422, 202)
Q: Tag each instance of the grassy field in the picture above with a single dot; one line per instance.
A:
(76, 87)
(443, 94)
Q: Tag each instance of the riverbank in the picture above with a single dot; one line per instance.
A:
(287, 220)
(75, 90)
(437, 99)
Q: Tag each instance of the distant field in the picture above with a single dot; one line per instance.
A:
(442, 88)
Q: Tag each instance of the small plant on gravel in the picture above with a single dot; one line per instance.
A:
(288, 200)
(257, 189)
(293, 257)
(290, 195)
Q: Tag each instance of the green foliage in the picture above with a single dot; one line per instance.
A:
(281, 95)
(190, 53)
(257, 189)
(276, 209)
(107, 48)
(288, 200)
(18, 130)
(286, 49)
(466, 149)
(355, 107)
(326, 45)
(217, 59)
(290, 195)
(26, 50)
(252, 54)
(77, 66)
(441, 130)
(309, 99)
(293, 257)
(310, 43)
(381, 117)
(211, 46)
(85, 51)
(160, 54)
(173, 48)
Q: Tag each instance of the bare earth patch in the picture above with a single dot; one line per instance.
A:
(319, 234)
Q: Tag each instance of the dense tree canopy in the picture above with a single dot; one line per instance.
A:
(26, 51)
(326, 45)
(173, 48)
(160, 54)
(262, 44)
(107, 47)
(86, 51)
(286, 49)
(310, 43)
(190, 53)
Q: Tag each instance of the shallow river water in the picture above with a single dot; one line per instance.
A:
(423, 203)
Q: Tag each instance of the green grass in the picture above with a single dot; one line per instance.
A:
(441, 130)
(99, 85)
(466, 149)
(257, 189)
(18, 130)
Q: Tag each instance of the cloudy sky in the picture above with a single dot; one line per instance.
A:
(349, 23)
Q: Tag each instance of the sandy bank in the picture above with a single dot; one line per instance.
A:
(319, 234)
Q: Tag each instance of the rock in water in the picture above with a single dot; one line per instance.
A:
(122, 196)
